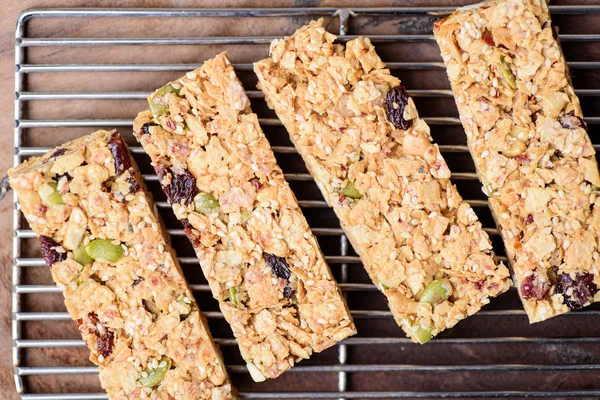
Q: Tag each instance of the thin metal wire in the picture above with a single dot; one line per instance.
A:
(342, 368)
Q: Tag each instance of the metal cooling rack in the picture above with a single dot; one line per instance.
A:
(493, 354)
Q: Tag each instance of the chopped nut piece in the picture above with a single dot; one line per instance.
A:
(255, 373)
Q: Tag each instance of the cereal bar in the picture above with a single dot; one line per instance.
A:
(526, 132)
(261, 260)
(108, 251)
(372, 156)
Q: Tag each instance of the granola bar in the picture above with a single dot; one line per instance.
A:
(526, 132)
(109, 252)
(261, 260)
(362, 139)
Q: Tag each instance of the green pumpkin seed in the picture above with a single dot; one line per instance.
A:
(50, 194)
(234, 295)
(423, 335)
(436, 292)
(157, 101)
(81, 256)
(507, 74)
(204, 203)
(245, 215)
(154, 376)
(103, 248)
(351, 191)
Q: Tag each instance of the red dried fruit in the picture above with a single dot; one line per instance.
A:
(49, 252)
(571, 121)
(193, 237)
(120, 153)
(576, 292)
(105, 343)
(522, 159)
(182, 187)
(278, 266)
(186, 223)
(534, 288)
(257, 184)
(133, 185)
(529, 219)
(479, 284)
(488, 38)
(104, 337)
(146, 128)
(395, 103)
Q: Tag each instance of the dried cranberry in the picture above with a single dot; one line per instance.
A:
(479, 284)
(571, 121)
(120, 154)
(182, 186)
(488, 38)
(193, 237)
(104, 338)
(105, 343)
(288, 292)
(582, 290)
(522, 159)
(146, 128)
(533, 288)
(278, 266)
(58, 152)
(257, 184)
(133, 184)
(51, 256)
(529, 219)
(186, 223)
(395, 103)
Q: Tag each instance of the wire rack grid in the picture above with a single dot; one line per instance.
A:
(493, 354)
